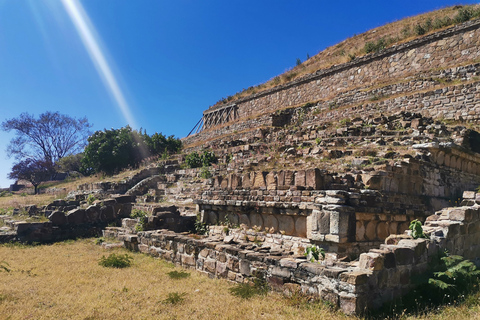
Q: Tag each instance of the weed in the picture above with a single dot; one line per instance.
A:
(175, 298)
(178, 274)
(313, 253)
(200, 227)
(90, 199)
(99, 241)
(417, 230)
(248, 290)
(116, 261)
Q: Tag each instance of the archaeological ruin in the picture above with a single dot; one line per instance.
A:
(344, 159)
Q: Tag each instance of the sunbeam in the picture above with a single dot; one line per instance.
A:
(91, 42)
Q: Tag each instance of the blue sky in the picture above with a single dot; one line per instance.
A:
(170, 59)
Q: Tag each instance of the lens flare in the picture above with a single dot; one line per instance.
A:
(92, 42)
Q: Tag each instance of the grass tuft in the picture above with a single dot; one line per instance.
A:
(116, 261)
(178, 274)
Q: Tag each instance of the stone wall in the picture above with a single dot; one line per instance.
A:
(77, 222)
(446, 55)
(379, 275)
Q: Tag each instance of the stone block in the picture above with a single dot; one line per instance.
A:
(271, 181)
(125, 199)
(352, 304)
(58, 218)
(76, 216)
(469, 195)
(314, 179)
(403, 255)
(245, 267)
(300, 178)
(259, 180)
(355, 278)
(289, 178)
(371, 261)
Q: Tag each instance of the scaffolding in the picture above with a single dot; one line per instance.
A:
(215, 117)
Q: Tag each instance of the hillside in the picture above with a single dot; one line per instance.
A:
(389, 35)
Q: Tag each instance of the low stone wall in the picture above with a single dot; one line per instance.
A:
(379, 275)
(78, 222)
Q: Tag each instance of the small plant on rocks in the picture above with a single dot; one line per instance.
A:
(313, 253)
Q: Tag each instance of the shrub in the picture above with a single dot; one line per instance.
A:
(116, 261)
(193, 160)
(463, 14)
(419, 30)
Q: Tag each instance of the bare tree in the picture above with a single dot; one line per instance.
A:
(48, 138)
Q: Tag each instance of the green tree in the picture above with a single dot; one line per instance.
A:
(112, 150)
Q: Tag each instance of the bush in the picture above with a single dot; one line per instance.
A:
(194, 160)
(116, 261)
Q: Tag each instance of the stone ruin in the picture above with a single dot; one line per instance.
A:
(344, 158)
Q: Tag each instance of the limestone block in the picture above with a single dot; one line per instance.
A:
(286, 224)
(212, 217)
(382, 230)
(245, 267)
(256, 220)
(259, 180)
(271, 180)
(222, 270)
(281, 272)
(210, 265)
(281, 180)
(301, 227)
(469, 195)
(371, 261)
(329, 295)
(76, 216)
(355, 278)
(106, 213)
(314, 179)
(300, 178)
(289, 178)
(324, 222)
(244, 219)
(93, 213)
(271, 222)
(403, 255)
(246, 181)
(360, 231)
(58, 218)
(188, 260)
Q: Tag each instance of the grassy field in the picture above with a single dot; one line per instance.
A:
(65, 281)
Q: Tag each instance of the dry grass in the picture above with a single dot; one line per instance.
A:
(64, 281)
